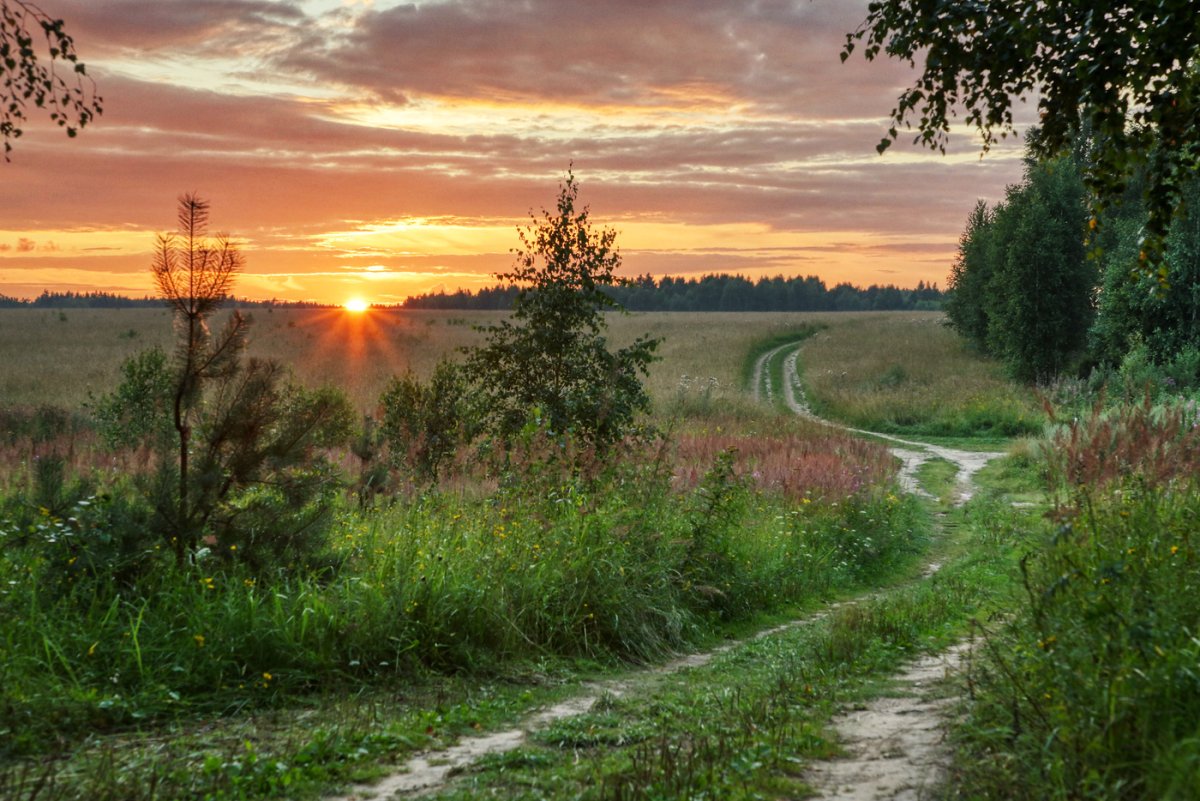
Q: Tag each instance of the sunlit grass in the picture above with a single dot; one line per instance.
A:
(906, 372)
(57, 358)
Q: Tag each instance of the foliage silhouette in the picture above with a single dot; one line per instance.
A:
(1124, 73)
(25, 77)
(551, 360)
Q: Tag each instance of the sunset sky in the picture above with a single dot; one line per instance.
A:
(381, 149)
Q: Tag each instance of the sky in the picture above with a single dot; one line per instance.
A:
(376, 149)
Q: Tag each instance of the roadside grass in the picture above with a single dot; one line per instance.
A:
(1088, 689)
(296, 751)
(543, 573)
(748, 723)
(906, 373)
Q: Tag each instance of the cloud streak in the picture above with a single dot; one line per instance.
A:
(313, 126)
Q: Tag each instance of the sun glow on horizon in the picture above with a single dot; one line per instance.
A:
(356, 305)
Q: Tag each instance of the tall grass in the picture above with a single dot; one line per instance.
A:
(1092, 690)
(619, 567)
(908, 373)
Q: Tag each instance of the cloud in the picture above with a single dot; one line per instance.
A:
(768, 55)
(116, 26)
(301, 124)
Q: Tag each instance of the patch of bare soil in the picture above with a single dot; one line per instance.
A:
(895, 747)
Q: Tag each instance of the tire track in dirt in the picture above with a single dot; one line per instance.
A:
(882, 731)
(430, 771)
(895, 744)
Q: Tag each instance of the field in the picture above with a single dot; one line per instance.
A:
(59, 357)
(438, 611)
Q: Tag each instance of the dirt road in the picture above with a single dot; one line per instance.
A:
(894, 744)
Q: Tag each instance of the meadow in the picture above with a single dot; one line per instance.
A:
(522, 569)
(58, 358)
(908, 373)
(444, 610)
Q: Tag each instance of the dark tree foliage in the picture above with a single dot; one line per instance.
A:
(1041, 291)
(1022, 288)
(552, 358)
(110, 300)
(720, 292)
(424, 423)
(30, 44)
(970, 276)
(1165, 322)
(1123, 72)
(248, 471)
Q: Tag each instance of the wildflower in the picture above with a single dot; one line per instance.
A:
(199, 638)
(267, 676)
(248, 582)
(1174, 550)
(92, 650)
(209, 583)
(233, 547)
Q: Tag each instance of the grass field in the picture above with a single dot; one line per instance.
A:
(447, 612)
(741, 513)
(906, 372)
(59, 357)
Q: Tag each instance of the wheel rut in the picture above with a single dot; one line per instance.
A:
(893, 743)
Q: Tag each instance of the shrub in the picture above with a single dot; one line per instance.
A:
(423, 424)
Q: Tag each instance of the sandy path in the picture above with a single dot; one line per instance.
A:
(430, 771)
(894, 744)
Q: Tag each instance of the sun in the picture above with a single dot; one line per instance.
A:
(356, 305)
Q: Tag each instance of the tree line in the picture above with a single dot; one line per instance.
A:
(1051, 286)
(109, 300)
(717, 292)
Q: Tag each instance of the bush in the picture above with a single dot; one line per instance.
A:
(1091, 692)
(424, 424)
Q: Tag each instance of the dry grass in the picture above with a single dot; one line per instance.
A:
(53, 358)
(801, 459)
(898, 371)
(905, 371)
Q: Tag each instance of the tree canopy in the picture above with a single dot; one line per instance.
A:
(552, 360)
(26, 76)
(1124, 73)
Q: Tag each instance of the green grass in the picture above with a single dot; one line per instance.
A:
(459, 609)
(939, 478)
(906, 373)
(745, 725)
(1088, 689)
(619, 570)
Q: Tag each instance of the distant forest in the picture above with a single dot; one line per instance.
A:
(107, 300)
(708, 293)
(719, 293)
